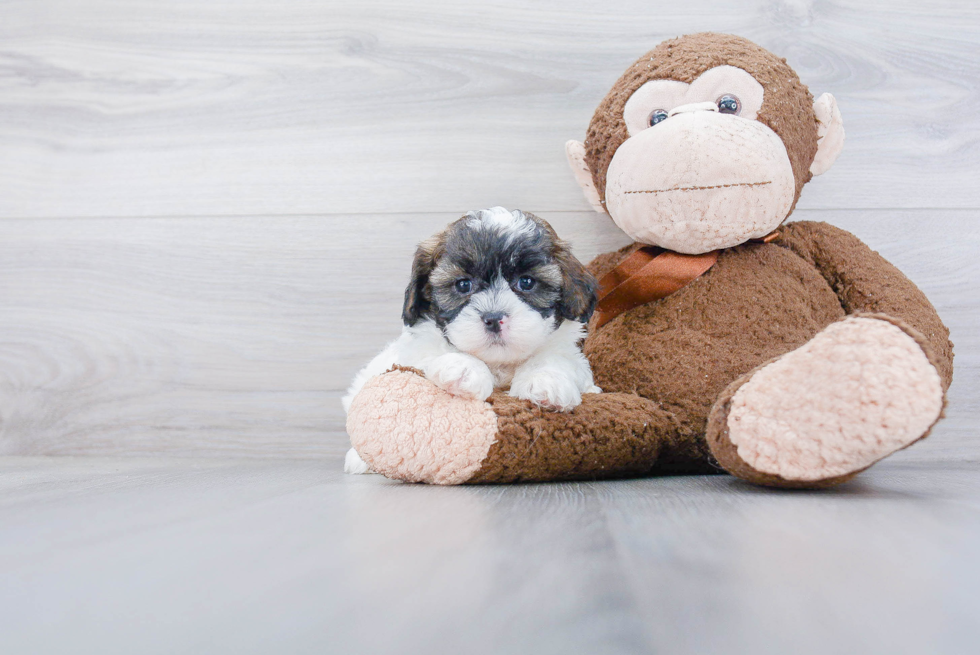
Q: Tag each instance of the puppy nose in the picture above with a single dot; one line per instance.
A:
(694, 106)
(493, 320)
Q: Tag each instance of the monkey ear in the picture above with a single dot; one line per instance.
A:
(830, 133)
(579, 287)
(575, 151)
(417, 303)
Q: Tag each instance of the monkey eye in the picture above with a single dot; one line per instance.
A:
(657, 116)
(526, 283)
(729, 104)
(464, 285)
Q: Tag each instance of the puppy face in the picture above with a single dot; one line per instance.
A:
(498, 283)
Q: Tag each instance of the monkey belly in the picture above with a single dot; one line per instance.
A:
(757, 302)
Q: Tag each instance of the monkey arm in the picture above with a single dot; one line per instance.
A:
(867, 283)
(608, 435)
(407, 428)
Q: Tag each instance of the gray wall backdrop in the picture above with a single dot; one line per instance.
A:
(208, 209)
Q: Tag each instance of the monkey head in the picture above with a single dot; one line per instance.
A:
(704, 143)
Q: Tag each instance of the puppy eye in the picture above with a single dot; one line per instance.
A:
(526, 283)
(464, 286)
(729, 104)
(657, 116)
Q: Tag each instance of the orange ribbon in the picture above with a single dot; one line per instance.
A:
(649, 274)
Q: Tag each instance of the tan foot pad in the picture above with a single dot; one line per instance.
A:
(407, 428)
(859, 391)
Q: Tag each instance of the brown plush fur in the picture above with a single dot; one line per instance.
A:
(865, 282)
(608, 435)
(787, 108)
(667, 365)
(670, 368)
(685, 349)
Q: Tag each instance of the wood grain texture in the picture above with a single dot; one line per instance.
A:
(187, 556)
(237, 336)
(252, 107)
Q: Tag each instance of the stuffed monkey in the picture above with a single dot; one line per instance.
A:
(787, 354)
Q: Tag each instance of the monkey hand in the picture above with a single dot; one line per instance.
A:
(461, 375)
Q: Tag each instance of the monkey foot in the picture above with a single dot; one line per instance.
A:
(860, 390)
(406, 428)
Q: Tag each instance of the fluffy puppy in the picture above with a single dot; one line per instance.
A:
(496, 300)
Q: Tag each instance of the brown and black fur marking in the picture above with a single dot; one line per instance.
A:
(564, 289)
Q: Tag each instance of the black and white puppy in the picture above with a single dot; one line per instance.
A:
(496, 300)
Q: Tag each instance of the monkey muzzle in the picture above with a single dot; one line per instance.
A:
(699, 181)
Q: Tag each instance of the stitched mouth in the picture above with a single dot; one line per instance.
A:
(703, 188)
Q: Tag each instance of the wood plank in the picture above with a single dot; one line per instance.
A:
(237, 336)
(254, 108)
(189, 556)
(215, 336)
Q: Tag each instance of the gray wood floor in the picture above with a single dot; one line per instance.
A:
(207, 212)
(123, 555)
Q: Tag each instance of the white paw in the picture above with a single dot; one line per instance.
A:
(550, 389)
(461, 375)
(354, 465)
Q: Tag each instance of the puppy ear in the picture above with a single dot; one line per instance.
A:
(417, 299)
(579, 287)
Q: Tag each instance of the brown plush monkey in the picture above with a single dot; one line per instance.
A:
(792, 357)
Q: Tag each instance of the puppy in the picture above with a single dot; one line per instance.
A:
(496, 300)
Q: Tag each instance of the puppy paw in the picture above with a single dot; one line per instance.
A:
(461, 375)
(550, 389)
(354, 465)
